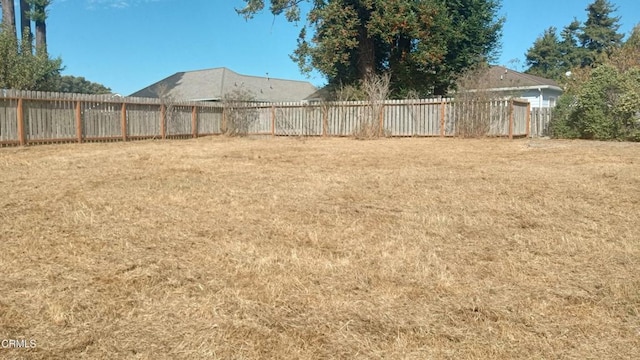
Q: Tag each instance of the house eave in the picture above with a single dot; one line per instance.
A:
(206, 99)
(532, 87)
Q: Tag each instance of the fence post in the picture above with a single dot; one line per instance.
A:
(194, 122)
(273, 120)
(123, 121)
(528, 131)
(381, 116)
(20, 119)
(442, 115)
(510, 119)
(325, 120)
(223, 128)
(78, 122)
(163, 129)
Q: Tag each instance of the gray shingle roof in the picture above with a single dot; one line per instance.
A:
(501, 77)
(213, 84)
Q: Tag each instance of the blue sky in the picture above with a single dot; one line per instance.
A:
(130, 44)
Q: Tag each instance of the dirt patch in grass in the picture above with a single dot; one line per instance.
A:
(323, 248)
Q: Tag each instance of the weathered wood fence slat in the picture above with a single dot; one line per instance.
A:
(28, 117)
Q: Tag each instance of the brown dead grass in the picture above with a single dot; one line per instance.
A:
(288, 249)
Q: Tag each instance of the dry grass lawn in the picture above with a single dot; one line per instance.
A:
(323, 248)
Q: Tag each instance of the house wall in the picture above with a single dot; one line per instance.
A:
(549, 97)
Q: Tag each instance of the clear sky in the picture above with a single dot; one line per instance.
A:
(130, 44)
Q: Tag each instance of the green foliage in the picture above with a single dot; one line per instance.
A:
(599, 34)
(583, 45)
(38, 9)
(424, 45)
(602, 97)
(628, 56)
(606, 106)
(545, 58)
(559, 126)
(80, 85)
(23, 70)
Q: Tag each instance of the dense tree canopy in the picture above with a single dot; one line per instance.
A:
(600, 32)
(80, 85)
(587, 44)
(423, 44)
(546, 58)
(24, 70)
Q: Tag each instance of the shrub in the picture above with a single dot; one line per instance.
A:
(376, 89)
(473, 98)
(238, 114)
(604, 107)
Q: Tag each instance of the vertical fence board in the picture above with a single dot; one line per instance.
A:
(78, 115)
(20, 119)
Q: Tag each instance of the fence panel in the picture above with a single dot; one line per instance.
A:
(499, 118)
(449, 120)
(8, 121)
(540, 119)
(305, 120)
(49, 120)
(209, 120)
(344, 119)
(429, 116)
(143, 121)
(178, 120)
(399, 118)
(520, 113)
(258, 119)
(101, 120)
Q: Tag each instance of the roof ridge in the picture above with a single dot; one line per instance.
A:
(524, 76)
(226, 69)
(536, 77)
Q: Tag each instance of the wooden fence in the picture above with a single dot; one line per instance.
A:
(36, 117)
(540, 119)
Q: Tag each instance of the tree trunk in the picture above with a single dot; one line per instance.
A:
(367, 55)
(41, 29)
(41, 37)
(9, 17)
(366, 47)
(25, 21)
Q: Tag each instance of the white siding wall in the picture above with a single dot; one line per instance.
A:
(549, 98)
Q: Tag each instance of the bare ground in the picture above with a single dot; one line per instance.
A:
(289, 249)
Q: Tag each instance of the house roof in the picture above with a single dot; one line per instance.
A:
(502, 78)
(213, 84)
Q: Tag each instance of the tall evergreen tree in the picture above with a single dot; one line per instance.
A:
(39, 16)
(8, 17)
(583, 45)
(600, 32)
(545, 57)
(572, 53)
(424, 44)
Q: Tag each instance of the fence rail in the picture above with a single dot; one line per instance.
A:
(36, 117)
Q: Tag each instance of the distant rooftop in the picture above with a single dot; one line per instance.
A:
(213, 84)
(502, 77)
